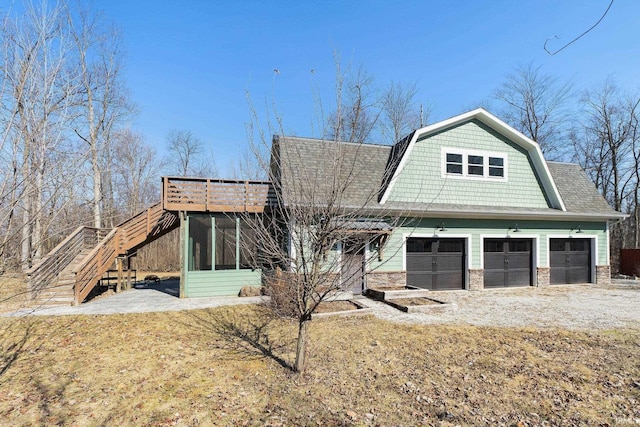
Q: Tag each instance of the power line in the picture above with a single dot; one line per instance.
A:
(580, 36)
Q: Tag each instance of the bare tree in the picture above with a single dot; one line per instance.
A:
(136, 172)
(536, 104)
(607, 145)
(357, 107)
(400, 115)
(321, 231)
(102, 100)
(187, 155)
(38, 88)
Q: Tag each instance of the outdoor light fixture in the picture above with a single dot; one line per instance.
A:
(578, 229)
(441, 227)
(515, 228)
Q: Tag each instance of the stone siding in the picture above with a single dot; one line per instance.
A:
(386, 279)
(544, 277)
(476, 279)
(603, 275)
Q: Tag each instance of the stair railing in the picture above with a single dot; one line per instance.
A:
(47, 270)
(96, 264)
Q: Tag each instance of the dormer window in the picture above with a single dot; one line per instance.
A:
(474, 164)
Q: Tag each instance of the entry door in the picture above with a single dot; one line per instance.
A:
(507, 262)
(435, 264)
(352, 269)
(570, 261)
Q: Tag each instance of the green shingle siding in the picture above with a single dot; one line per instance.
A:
(421, 178)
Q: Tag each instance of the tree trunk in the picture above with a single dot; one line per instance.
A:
(301, 347)
(97, 193)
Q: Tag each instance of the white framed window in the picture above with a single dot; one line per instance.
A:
(461, 163)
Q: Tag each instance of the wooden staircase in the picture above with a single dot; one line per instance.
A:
(69, 273)
(61, 292)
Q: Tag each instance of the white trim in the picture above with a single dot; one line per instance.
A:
(465, 153)
(606, 229)
(535, 248)
(367, 254)
(501, 127)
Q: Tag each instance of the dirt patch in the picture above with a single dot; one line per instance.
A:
(392, 288)
(333, 306)
(415, 301)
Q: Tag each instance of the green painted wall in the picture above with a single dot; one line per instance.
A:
(421, 178)
(476, 229)
(220, 283)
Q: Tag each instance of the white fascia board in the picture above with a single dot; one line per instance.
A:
(501, 127)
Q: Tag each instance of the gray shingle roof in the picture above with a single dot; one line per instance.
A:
(312, 169)
(576, 189)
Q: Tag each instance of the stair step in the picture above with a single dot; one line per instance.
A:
(56, 301)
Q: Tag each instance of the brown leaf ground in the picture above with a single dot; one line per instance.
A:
(227, 366)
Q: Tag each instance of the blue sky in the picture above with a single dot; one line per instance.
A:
(190, 63)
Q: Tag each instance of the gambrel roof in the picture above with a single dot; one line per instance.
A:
(367, 174)
(496, 124)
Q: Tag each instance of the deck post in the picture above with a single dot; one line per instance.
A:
(120, 283)
(183, 257)
(129, 284)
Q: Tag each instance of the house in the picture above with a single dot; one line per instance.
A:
(480, 208)
(466, 203)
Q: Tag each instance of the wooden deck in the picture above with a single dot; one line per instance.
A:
(215, 195)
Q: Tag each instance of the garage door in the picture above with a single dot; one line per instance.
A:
(436, 264)
(507, 262)
(570, 261)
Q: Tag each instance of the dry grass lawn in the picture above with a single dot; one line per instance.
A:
(13, 293)
(228, 366)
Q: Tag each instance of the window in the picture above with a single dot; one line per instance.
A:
(199, 243)
(419, 245)
(248, 245)
(454, 163)
(496, 166)
(472, 164)
(225, 243)
(475, 165)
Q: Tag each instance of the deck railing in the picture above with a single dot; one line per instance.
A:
(215, 195)
(47, 270)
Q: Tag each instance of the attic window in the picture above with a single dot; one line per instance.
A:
(474, 164)
(496, 166)
(454, 163)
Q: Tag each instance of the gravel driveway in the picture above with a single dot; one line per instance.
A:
(567, 306)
